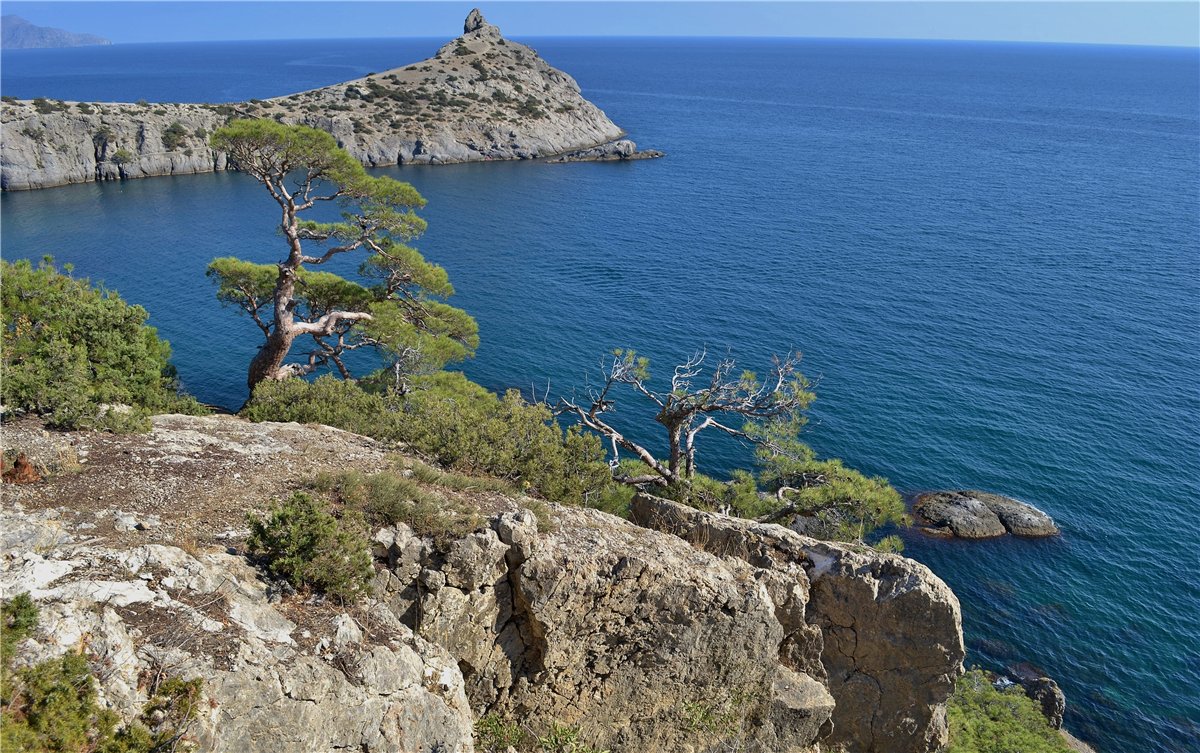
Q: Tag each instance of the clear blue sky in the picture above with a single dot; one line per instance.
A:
(1156, 23)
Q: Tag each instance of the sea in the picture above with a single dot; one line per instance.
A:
(988, 254)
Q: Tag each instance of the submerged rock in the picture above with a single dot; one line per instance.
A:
(980, 515)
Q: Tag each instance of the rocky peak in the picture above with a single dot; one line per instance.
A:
(475, 21)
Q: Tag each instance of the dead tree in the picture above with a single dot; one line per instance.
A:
(697, 400)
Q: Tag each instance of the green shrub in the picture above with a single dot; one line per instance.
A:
(303, 543)
(496, 734)
(52, 705)
(329, 401)
(986, 720)
(20, 617)
(468, 428)
(837, 503)
(122, 156)
(174, 135)
(455, 421)
(70, 349)
(563, 739)
(386, 498)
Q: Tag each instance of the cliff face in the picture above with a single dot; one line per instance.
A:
(481, 97)
(679, 631)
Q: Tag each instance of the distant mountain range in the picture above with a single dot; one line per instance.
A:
(19, 34)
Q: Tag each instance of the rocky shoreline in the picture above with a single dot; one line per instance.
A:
(480, 98)
(676, 630)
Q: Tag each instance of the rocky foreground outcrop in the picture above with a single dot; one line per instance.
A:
(678, 631)
(481, 97)
(980, 515)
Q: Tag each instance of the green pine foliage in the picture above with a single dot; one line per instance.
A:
(302, 542)
(448, 418)
(70, 348)
(986, 720)
(839, 503)
(387, 497)
(52, 706)
(174, 135)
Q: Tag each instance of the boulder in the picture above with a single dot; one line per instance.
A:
(1042, 689)
(980, 515)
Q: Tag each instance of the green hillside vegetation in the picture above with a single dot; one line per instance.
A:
(984, 719)
(73, 351)
(53, 705)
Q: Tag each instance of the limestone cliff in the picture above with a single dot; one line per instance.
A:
(677, 631)
(481, 97)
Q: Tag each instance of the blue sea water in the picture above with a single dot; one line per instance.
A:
(988, 253)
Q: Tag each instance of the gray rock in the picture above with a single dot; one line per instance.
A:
(1043, 690)
(889, 632)
(261, 695)
(1020, 518)
(980, 515)
(613, 151)
(475, 21)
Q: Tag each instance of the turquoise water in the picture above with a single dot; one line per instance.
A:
(989, 254)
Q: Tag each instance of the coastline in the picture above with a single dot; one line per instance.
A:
(480, 98)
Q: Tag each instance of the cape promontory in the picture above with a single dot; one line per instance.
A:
(480, 97)
(16, 33)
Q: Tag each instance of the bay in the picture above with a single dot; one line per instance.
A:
(988, 253)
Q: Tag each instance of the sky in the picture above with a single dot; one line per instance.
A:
(1078, 21)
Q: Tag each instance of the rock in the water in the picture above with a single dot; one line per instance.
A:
(980, 515)
(1043, 690)
(964, 516)
(1020, 518)
(613, 151)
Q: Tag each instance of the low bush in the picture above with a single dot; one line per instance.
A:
(496, 734)
(303, 543)
(454, 421)
(834, 502)
(53, 706)
(72, 351)
(174, 135)
(984, 719)
(386, 498)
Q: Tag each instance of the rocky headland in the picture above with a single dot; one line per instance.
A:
(17, 33)
(481, 97)
(677, 630)
(980, 515)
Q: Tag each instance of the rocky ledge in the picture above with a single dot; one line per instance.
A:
(481, 97)
(614, 151)
(676, 631)
(980, 515)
